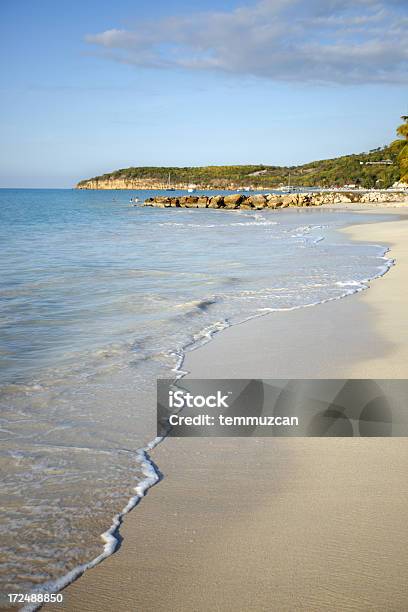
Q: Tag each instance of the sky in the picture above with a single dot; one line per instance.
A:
(91, 86)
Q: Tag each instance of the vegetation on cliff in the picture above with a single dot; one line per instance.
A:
(378, 168)
(401, 149)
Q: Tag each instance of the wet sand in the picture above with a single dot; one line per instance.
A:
(278, 524)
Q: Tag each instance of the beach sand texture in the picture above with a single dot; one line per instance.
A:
(278, 524)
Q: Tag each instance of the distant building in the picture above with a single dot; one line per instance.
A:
(382, 162)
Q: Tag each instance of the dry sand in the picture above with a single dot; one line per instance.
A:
(278, 524)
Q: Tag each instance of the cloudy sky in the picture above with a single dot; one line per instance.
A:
(93, 86)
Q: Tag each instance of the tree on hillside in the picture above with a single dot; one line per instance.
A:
(402, 147)
(402, 130)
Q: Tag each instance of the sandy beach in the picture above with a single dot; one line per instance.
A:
(278, 524)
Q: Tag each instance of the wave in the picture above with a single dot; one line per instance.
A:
(210, 225)
(350, 283)
(202, 305)
(254, 219)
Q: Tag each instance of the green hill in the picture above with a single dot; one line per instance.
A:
(378, 168)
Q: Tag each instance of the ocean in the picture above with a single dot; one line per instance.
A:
(98, 298)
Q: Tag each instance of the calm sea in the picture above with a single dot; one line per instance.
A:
(97, 299)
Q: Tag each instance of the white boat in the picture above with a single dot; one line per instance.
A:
(287, 188)
(191, 188)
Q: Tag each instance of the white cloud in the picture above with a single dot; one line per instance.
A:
(338, 41)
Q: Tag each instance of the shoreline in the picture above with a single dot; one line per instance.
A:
(102, 549)
(198, 366)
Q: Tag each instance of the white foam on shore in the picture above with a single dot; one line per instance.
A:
(350, 283)
(211, 225)
(357, 286)
(110, 537)
(207, 334)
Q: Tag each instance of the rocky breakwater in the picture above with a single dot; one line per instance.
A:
(260, 201)
(229, 202)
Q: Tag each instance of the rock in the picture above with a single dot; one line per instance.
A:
(257, 201)
(273, 200)
(372, 196)
(305, 199)
(233, 201)
(202, 202)
(216, 202)
(291, 199)
(191, 202)
(341, 198)
(317, 199)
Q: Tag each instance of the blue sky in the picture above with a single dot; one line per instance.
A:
(88, 87)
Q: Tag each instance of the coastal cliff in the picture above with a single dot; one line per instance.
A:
(127, 183)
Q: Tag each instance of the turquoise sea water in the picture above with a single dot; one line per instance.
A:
(97, 299)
